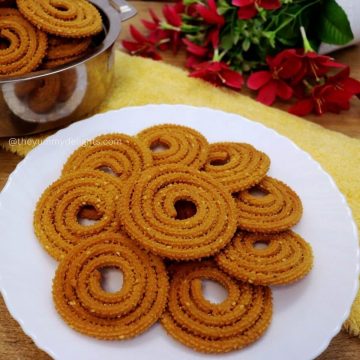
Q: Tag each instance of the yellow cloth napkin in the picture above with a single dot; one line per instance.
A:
(141, 81)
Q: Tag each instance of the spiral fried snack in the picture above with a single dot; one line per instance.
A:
(64, 50)
(87, 308)
(149, 212)
(43, 99)
(279, 209)
(68, 84)
(67, 18)
(286, 258)
(124, 155)
(56, 215)
(27, 45)
(215, 328)
(238, 166)
(24, 88)
(181, 145)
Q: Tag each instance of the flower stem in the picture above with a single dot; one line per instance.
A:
(294, 16)
(306, 43)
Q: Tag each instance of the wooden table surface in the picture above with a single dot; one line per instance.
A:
(14, 344)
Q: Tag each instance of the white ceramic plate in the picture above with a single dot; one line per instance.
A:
(306, 315)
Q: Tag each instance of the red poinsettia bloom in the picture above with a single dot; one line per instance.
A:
(218, 73)
(209, 13)
(314, 65)
(142, 45)
(271, 83)
(248, 8)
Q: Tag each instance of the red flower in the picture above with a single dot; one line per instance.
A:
(343, 82)
(213, 37)
(192, 61)
(165, 33)
(333, 96)
(172, 16)
(195, 49)
(210, 14)
(315, 65)
(248, 8)
(218, 73)
(142, 46)
(270, 83)
(155, 21)
(324, 98)
(156, 35)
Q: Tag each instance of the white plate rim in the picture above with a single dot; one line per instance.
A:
(26, 327)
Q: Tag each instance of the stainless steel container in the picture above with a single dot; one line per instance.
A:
(86, 82)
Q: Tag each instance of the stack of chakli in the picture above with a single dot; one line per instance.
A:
(169, 210)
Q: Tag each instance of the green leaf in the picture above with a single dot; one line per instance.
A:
(226, 42)
(246, 44)
(334, 26)
(222, 7)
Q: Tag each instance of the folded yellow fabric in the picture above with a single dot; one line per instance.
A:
(141, 81)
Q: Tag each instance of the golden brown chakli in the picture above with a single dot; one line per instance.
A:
(178, 144)
(149, 215)
(87, 308)
(215, 328)
(26, 44)
(67, 18)
(179, 203)
(269, 207)
(237, 166)
(280, 259)
(56, 221)
(124, 155)
(64, 50)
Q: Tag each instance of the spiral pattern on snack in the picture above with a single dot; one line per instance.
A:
(65, 50)
(27, 45)
(65, 18)
(286, 258)
(149, 212)
(56, 215)
(179, 145)
(209, 327)
(277, 210)
(83, 304)
(237, 166)
(124, 155)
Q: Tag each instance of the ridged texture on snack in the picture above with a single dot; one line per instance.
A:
(64, 50)
(215, 328)
(277, 209)
(124, 155)
(150, 216)
(67, 18)
(27, 45)
(87, 308)
(237, 166)
(56, 222)
(286, 258)
(181, 145)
